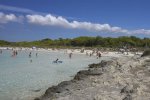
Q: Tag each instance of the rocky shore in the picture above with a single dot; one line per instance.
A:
(124, 78)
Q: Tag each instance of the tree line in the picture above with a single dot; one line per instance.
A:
(84, 41)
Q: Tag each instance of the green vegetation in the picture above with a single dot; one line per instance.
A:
(84, 41)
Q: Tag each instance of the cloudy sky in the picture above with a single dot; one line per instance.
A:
(27, 20)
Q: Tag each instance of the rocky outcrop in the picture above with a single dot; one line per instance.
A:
(119, 79)
(146, 53)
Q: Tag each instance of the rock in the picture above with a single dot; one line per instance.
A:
(146, 53)
(58, 89)
(52, 91)
(128, 97)
(126, 89)
(37, 99)
(84, 73)
(120, 79)
(81, 75)
(94, 65)
(105, 63)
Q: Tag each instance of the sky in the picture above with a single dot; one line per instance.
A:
(29, 20)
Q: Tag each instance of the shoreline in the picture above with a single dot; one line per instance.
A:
(94, 70)
(76, 51)
(52, 91)
(36, 90)
(116, 79)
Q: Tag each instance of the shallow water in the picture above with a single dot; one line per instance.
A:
(21, 79)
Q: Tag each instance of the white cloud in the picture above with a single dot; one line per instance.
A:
(60, 21)
(51, 20)
(140, 31)
(48, 20)
(5, 18)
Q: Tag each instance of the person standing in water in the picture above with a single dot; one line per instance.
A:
(70, 55)
(13, 53)
(16, 53)
(36, 54)
(1, 51)
(30, 55)
(98, 55)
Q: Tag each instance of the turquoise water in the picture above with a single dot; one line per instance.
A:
(19, 78)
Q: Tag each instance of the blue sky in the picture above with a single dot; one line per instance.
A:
(27, 20)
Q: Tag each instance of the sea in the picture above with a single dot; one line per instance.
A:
(24, 78)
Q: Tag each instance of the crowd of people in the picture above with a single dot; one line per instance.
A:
(97, 53)
(33, 53)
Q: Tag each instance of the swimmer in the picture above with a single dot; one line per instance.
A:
(30, 55)
(57, 60)
(36, 54)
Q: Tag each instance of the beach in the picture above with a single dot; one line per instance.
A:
(121, 78)
(23, 79)
(113, 76)
(74, 50)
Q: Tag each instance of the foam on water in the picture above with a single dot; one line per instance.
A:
(21, 79)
